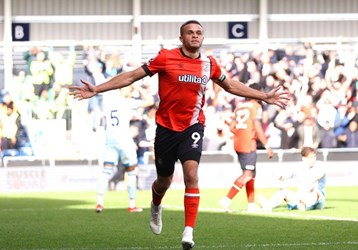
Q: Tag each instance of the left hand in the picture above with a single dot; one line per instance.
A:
(278, 97)
(83, 92)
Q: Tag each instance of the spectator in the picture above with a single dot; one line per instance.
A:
(309, 134)
(44, 107)
(6, 99)
(288, 128)
(217, 134)
(147, 142)
(59, 96)
(41, 72)
(343, 117)
(328, 138)
(63, 65)
(349, 137)
(22, 87)
(10, 123)
(94, 68)
(113, 65)
(138, 126)
(29, 56)
(272, 133)
(217, 141)
(326, 114)
(24, 94)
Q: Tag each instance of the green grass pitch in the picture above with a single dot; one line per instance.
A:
(67, 221)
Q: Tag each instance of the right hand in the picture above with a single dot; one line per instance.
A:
(88, 90)
(278, 97)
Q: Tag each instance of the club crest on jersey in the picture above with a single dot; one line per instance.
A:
(193, 79)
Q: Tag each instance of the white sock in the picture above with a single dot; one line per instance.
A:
(102, 184)
(100, 199)
(132, 203)
(131, 179)
(188, 233)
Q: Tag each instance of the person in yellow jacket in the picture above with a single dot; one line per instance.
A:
(41, 71)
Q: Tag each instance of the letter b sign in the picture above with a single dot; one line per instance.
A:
(20, 32)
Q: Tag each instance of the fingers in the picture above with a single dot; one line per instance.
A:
(278, 88)
(74, 87)
(85, 83)
(282, 92)
(281, 96)
(282, 103)
(283, 99)
(76, 95)
(77, 91)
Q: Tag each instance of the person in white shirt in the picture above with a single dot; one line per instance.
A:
(310, 179)
(119, 146)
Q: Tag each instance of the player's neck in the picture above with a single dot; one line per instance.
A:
(195, 53)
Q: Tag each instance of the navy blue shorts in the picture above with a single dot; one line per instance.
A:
(248, 160)
(169, 146)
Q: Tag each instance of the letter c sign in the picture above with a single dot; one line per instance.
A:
(237, 30)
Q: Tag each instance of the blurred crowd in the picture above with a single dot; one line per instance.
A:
(323, 85)
(322, 112)
(37, 92)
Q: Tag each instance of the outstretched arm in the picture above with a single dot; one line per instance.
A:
(277, 96)
(119, 81)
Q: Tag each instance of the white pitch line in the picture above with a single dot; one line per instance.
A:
(304, 244)
(248, 246)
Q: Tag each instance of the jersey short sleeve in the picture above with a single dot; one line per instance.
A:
(217, 72)
(156, 64)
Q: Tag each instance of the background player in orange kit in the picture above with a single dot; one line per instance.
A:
(247, 128)
(183, 75)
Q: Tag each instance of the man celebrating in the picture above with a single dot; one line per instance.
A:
(183, 75)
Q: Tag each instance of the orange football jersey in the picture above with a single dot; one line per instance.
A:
(245, 135)
(182, 84)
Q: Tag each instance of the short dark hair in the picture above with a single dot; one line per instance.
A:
(10, 105)
(186, 23)
(305, 151)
